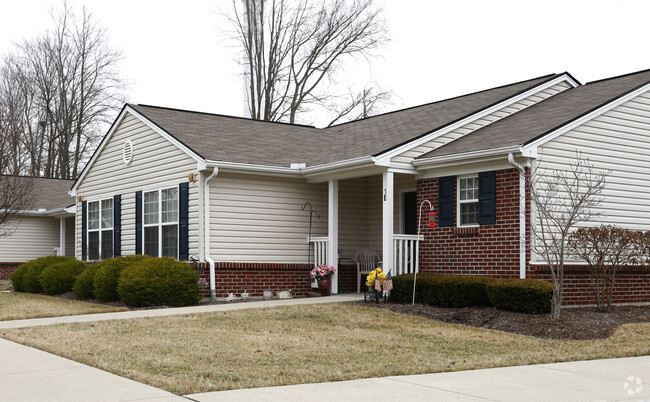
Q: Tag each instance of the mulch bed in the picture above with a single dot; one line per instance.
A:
(574, 323)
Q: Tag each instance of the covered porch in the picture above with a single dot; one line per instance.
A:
(376, 212)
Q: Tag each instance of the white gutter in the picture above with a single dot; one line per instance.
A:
(206, 225)
(465, 155)
(522, 215)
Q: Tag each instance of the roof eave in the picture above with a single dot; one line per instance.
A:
(471, 156)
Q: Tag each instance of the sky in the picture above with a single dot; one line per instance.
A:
(176, 55)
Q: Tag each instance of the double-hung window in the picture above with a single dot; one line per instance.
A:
(160, 223)
(468, 199)
(100, 229)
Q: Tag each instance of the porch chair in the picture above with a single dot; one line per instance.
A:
(367, 260)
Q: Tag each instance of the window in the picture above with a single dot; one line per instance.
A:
(468, 201)
(160, 223)
(100, 229)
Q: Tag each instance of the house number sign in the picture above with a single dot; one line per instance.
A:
(385, 195)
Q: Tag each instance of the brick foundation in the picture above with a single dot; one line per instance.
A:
(256, 277)
(493, 250)
(7, 268)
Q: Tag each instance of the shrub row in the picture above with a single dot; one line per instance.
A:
(136, 280)
(523, 295)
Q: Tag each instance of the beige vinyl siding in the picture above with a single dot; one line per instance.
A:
(404, 160)
(259, 218)
(34, 236)
(69, 236)
(354, 218)
(618, 140)
(157, 163)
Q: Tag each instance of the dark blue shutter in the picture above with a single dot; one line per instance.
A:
(183, 218)
(117, 225)
(138, 222)
(487, 198)
(446, 201)
(84, 231)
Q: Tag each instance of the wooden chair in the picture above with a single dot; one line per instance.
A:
(367, 260)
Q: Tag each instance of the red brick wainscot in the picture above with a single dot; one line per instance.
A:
(487, 250)
(255, 278)
(8, 268)
(632, 284)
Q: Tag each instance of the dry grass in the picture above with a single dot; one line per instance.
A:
(4, 285)
(291, 345)
(18, 306)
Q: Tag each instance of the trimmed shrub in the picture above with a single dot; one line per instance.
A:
(17, 278)
(84, 285)
(108, 275)
(32, 277)
(158, 282)
(425, 288)
(523, 295)
(59, 278)
(462, 290)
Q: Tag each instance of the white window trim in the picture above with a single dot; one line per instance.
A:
(458, 201)
(99, 229)
(160, 223)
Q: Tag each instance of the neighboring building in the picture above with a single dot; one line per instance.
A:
(47, 228)
(228, 191)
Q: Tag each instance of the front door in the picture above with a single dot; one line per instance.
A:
(410, 212)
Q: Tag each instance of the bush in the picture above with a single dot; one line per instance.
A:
(84, 285)
(523, 295)
(17, 277)
(59, 278)
(441, 290)
(158, 282)
(32, 276)
(462, 290)
(108, 275)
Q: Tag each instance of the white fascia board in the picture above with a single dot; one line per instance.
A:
(476, 116)
(109, 135)
(344, 164)
(465, 157)
(250, 168)
(531, 148)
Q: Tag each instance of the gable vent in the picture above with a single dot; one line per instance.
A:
(127, 152)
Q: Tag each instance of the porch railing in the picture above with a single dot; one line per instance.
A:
(405, 254)
(319, 253)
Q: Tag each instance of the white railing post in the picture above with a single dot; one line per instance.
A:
(406, 254)
(320, 253)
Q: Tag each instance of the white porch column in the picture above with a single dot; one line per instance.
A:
(387, 220)
(62, 236)
(333, 231)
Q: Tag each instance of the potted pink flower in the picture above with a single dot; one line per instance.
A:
(322, 274)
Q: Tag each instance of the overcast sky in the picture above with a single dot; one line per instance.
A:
(174, 57)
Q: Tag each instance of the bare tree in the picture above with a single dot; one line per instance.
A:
(369, 101)
(562, 200)
(291, 50)
(58, 91)
(606, 248)
(16, 195)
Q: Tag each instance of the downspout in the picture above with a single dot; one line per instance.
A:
(522, 215)
(206, 226)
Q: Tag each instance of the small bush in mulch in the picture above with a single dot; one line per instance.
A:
(17, 278)
(108, 275)
(159, 282)
(442, 290)
(59, 278)
(84, 285)
(31, 276)
(531, 296)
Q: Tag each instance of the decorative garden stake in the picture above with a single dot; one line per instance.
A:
(431, 214)
(311, 214)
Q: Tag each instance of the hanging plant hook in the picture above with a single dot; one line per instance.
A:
(311, 214)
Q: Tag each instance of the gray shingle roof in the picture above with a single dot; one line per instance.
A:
(48, 193)
(233, 139)
(546, 116)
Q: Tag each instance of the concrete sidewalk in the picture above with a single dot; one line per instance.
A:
(164, 312)
(626, 379)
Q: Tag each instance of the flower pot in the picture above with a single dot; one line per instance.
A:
(325, 287)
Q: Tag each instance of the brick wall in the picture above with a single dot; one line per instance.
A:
(257, 277)
(489, 250)
(493, 250)
(7, 268)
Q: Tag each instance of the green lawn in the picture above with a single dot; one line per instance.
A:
(17, 306)
(302, 344)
